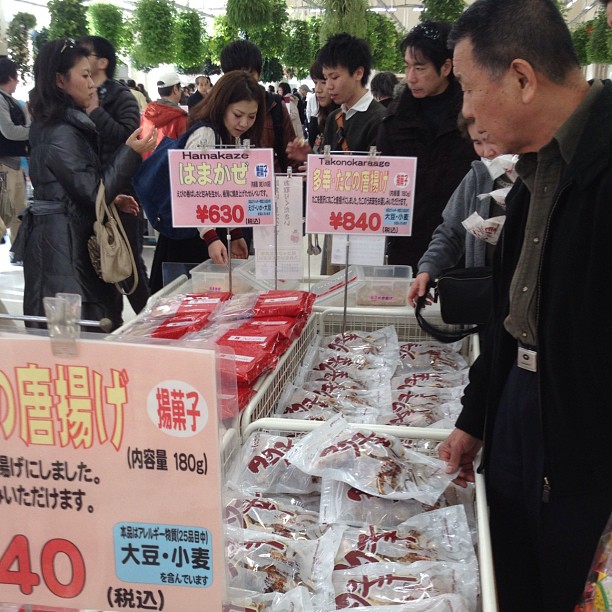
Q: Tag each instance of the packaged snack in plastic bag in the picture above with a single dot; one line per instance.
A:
(379, 396)
(428, 379)
(186, 303)
(178, 326)
(383, 340)
(437, 535)
(298, 403)
(262, 468)
(597, 596)
(251, 362)
(441, 603)
(268, 563)
(376, 584)
(295, 600)
(353, 362)
(342, 503)
(273, 516)
(375, 463)
(430, 356)
(239, 307)
(283, 304)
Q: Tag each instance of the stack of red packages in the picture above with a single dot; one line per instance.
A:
(279, 317)
(193, 314)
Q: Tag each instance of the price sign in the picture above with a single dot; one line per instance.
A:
(355, 194)
(222, 188)
(110, 493)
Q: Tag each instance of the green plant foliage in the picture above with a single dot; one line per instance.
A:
(107, 21)
(384, 39)
(68, 19)
(272, 70)
(598, 51)
(343, 16)
(223, 34)
(442, 10)
(314, 33)
(272, 38)
(247, 14)
(128, 40)
(298, 55)
(190, 42)
(17, 35)
(154, 32)
(580, 38)
(39, 39)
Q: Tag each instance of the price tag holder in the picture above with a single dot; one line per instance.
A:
(357, 194)
(222, 187)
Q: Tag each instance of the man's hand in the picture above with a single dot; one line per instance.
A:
(126, 204)
(459, 450)
(418, 288)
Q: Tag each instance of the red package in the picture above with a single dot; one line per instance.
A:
(266, 339)
(286, 326)
(251, 362)
(197, 303)
(284, 303)
(176, 327)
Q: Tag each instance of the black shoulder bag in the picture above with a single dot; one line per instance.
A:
(465, 296)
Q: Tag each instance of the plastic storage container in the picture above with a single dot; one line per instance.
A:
(209, 276)
(384, 286)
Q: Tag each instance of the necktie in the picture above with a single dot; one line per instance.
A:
(340, 135)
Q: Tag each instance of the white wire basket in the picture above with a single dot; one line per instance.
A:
(488, 594)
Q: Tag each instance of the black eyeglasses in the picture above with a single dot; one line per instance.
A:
(68, 44)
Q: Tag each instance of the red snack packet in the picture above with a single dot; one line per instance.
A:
(284, 303)
(197, 303)
(266, 339)
(251, 362)
(176, 327)
(286, 326)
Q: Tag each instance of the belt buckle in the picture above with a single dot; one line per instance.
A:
(527, 359)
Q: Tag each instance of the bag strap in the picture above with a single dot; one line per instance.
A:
(443, 335)
(102, 210)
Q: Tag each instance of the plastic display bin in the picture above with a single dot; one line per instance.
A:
(384, 286)
(209, 276)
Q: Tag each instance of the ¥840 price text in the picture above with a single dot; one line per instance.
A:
(348, 221)
(17, 555)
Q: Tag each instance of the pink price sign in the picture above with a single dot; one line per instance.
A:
(110, 488)
(222, 187)
(358, 194)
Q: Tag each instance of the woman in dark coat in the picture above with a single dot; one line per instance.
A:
(65, 170)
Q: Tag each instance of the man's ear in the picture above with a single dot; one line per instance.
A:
(446, 68)
(358, 74)
(525, 77)
(104, 63)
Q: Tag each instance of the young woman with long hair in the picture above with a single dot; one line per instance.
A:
(233, 109)
(66, 170)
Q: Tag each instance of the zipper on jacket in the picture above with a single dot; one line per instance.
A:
(546, 489)
(546, 486)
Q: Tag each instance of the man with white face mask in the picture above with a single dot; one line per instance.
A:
(451, 240)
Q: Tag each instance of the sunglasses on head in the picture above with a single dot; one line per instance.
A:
(68, 44)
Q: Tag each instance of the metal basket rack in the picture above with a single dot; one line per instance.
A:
(488, 595)
(333, 321)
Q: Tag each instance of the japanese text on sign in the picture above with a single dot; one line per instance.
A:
(222, 188)
(349, 194)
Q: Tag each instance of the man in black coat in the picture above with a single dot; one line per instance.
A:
(423, 124)
(115, 113)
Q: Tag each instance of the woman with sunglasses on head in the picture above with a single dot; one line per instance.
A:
(65, 170)
(233, 109)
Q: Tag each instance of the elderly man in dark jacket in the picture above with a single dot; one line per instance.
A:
(423, 124)
(115, 113)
